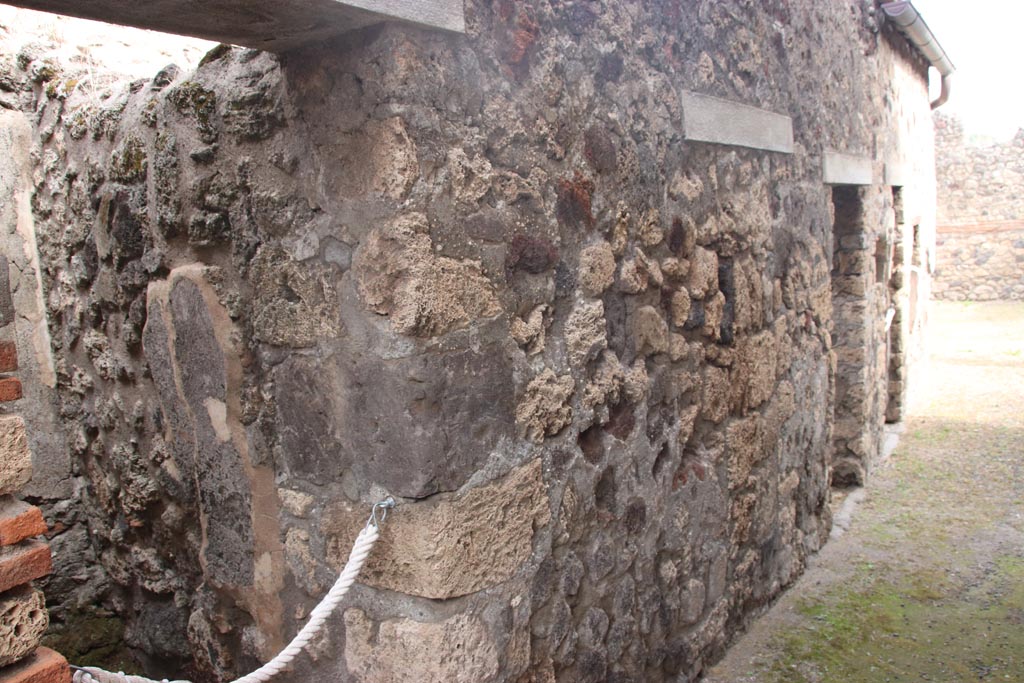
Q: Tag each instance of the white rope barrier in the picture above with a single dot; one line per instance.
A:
(360, 551)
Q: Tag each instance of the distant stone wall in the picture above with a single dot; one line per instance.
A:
(980, 262)
(980, 240)
(489, 275)
(977, 183)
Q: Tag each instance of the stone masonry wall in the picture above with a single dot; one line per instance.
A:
(980, 262)
(981, 216)
(485, 274)
(977, 183)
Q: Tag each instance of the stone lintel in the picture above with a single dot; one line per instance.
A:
(273, 25)
(724, 122)
(898, 174)
(839, 168)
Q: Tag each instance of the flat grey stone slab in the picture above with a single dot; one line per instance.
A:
(724, 122)
(897, 174)
(839, 168)
(274, 25)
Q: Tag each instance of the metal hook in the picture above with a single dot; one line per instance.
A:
(384, 505)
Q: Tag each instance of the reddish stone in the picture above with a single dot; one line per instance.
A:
(10, 389)
(44, 666)
(24, 562)
(8, 356)
(18, 521)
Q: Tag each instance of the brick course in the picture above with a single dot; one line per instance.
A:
(8, 356)
(22, 559)
(10, 389)
(24, 562)
(18, 521)
(45, 666)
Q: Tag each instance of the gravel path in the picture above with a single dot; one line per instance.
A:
(928, 582)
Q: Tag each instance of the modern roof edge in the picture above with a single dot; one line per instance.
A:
(910, 23)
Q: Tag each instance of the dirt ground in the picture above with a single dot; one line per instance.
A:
(928, 582)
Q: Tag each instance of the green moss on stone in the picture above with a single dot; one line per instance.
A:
(128, 162)
(91, 639)
(193, 100)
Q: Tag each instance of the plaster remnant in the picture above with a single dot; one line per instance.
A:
(218, 413)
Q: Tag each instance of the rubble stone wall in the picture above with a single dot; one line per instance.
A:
(980, 262)
(980, 253)
(977, 182)
(485, 274)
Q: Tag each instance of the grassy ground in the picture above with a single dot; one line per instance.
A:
(928, 584)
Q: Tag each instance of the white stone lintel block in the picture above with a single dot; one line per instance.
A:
(839, 168)
(725, 122)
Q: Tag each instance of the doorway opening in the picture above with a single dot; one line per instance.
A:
(852, 265)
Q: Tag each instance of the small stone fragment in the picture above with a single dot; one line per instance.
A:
(606, 384)
(529, 333)
(675, 268)
(544, 411)
(650, 233)
(597, 269)
(680, 307)
(650, 333)
(585, 332)
(295, 304)
(713, 311)
(633, 275)
(703, 278)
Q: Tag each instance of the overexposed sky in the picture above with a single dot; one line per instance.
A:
(985, 41)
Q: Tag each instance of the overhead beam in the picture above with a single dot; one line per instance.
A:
(273, 25)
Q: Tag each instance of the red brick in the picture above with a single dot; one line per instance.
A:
(45, 666)
(18, 521)
(8, 356)
(10, 389)
(27, 561)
